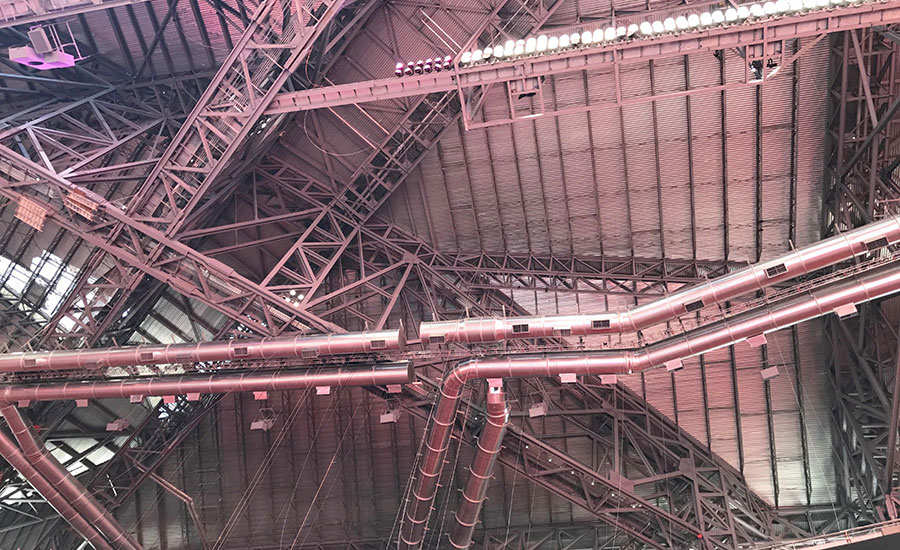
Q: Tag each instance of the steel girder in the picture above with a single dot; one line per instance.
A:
(761, 40)
(145, 449)
(308, 263)
(272, 211)
(305, 266)
(639, 473)
(381, 249)
(861, 185)
(21, 13)
(69, 137)
(603, 275)
(105, 141)
(149, 446)
(129, 244)
(862, 130)
(864, 369)
(140, 241)
(666, 530)
(274, 44)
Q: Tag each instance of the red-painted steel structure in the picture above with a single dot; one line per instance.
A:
(756, 277)
(829, 299)
(226, 204)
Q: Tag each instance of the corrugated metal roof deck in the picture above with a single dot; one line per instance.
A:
(587, 183)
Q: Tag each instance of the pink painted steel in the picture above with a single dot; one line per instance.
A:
(12, 454)
(473, 494)
(756, 277)
(69, 487)
(747, 33)
(381, 375)
(868, 286)
(63, 491)
(229, 350)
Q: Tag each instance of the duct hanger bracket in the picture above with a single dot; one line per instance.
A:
(757, 341)
(118, 425)
(537, 410)
(674, 365)
(769, 373)
(846, 310)
(390, 417)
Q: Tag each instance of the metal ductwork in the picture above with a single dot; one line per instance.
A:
(486, 451)
(854, 289)
(306, 347)
(83, 527)
(69, 487)
(825, 253)
(380, 375)
(72, 500)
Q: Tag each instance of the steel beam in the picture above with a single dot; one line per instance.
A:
(861, 185)
(21, 13)
(133, 244)
(95, 309)
(644, 476)
(768, 36)
(274, 44)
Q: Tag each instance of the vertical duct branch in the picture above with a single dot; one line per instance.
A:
(814, 303)
(489, 443)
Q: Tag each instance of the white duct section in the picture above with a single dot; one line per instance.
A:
(756, 277)
(808, 305)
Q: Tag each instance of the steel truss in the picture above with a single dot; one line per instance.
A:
(602, 275)
(642, 474)
(353, 270)
(378, 247)
(861, 185)
(105, 141)
(864, 368)
(862, 129)
(269, 51)
(399, 271)
(766, 41)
